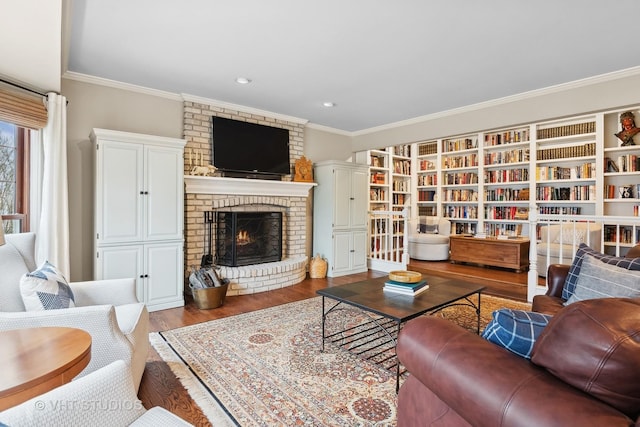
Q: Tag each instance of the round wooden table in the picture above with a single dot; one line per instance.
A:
(36, 360)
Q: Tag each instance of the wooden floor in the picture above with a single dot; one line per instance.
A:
(159, 387)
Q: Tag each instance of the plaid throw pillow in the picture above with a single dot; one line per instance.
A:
(516, 330)
(584, 250)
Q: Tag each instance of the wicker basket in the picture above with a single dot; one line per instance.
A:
(317, 267)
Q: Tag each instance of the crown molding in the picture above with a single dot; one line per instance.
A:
(576, 84)
(329, 129)
(255, 111)
(85, 78)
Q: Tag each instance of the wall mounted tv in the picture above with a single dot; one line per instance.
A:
(250, 150)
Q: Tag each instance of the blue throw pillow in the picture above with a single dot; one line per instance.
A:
(516, 330)
(574, 271)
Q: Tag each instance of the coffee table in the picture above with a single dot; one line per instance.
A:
(36, 360)
(388, 311)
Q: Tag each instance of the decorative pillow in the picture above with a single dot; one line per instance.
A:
(583, 250)
(568, 234)
(516, 330)
(428, 228)
(593, 345)
(45, 289)
(600, 280)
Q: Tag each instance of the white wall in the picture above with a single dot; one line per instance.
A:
(323, 145)
(603, 93)
(108, 108)
(31, 43)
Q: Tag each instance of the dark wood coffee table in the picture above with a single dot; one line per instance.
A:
(388, 311)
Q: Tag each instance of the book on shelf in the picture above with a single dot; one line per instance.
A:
(405, 288)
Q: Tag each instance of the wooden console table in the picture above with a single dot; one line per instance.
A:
(508, 253)
(36, 360)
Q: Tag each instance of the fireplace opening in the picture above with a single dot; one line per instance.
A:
(245, 238)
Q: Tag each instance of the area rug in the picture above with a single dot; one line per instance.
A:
(266, 367)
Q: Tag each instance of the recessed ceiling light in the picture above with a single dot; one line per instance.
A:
(329, 104)
(243, 80)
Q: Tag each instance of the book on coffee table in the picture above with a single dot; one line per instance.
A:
(405, 288)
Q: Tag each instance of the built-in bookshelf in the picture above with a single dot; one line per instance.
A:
(506, 160)
(427, 178)
(459, 188)
(487, 182)
(566, 166)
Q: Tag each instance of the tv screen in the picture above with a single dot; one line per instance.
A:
(249, 148)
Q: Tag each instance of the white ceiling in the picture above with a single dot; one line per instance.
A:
(380, 61)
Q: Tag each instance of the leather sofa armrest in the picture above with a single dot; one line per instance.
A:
(556, 276)
(489, 386)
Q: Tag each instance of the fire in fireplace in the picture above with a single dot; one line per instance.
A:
(244, 238)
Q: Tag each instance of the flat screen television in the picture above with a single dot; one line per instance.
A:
(244, 149)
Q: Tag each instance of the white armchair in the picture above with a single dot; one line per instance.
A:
(562, 241)
(107, 309)
(104, 397)
(429, 238)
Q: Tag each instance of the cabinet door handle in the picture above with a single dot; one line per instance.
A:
(144, 276)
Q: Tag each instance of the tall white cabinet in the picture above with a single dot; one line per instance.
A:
(139, 199)
(340, 216)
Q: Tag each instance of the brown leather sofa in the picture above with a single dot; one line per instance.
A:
(552, 301)
(584, 371)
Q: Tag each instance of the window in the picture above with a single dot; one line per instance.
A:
(14, 177)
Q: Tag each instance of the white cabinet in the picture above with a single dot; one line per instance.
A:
(139, 214)
(340, 216)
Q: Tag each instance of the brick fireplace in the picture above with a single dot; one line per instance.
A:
(218, 194)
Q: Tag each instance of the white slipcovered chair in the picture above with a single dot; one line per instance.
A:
(556, 239)
(429, 238)
(107, 309)
(103, 397)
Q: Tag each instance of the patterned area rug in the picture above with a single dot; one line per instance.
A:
(266, 367)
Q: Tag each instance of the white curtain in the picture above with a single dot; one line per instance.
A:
(53, 227)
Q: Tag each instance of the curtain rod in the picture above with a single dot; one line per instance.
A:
(22, 87)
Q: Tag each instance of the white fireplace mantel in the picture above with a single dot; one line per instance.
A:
(246, 187)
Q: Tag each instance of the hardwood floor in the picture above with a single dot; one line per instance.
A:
(159, 387)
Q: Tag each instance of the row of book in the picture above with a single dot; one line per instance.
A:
(460, 196)
(506, 212)
(449, 145)
(511, 156)
(461, 178)
(627, 163)
(506, 175)
(461, 212)
(566, 130)
(502, 195)
(431, 179)
(427, 148)
(578, 192)
(559, 210)
(402, 150)
(586, 170)
(585, 150)
(411, 289)
(622, 234)
(460, 161)
(426, 196)
(507, 137)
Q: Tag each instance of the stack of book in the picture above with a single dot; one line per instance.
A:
(403, 288)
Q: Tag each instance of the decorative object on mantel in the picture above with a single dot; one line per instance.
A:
(197, 167)
(318, 267)
(629, 129)
(303, 170)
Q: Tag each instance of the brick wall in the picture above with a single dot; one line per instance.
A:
(197, 132)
